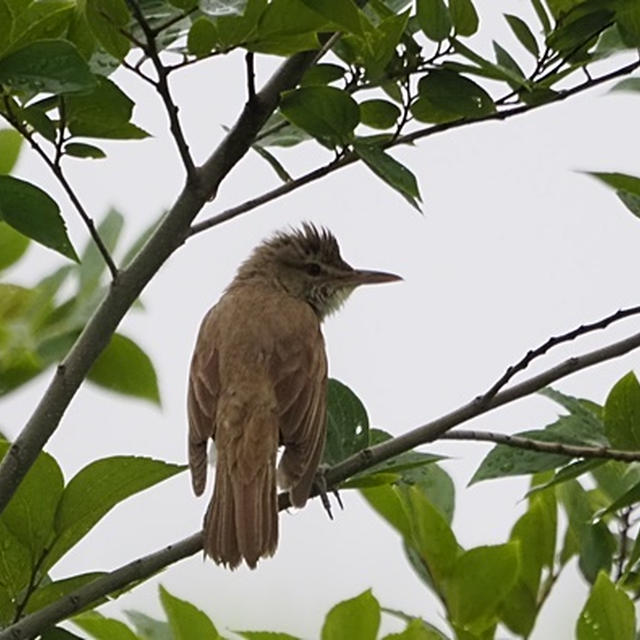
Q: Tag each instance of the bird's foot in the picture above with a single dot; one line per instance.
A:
(320, 485)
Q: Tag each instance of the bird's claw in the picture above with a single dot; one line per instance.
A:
(320, 484)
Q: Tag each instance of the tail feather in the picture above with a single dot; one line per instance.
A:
(242, 518)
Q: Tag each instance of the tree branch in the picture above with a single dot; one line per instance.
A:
(145, 567)
(350, 158)
(169, 235)
(518, 442)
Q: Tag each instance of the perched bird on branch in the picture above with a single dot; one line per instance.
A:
(258, 381)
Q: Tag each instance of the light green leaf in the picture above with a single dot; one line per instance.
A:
(149, 628)
(523, 33)
(47, 65)
(434, 19)
(12, 245)
(480, 580)
(464, 17)
(32, 212)
(15, 565)
(10, 145)
(96, 489)
(347, 423)
(101, 628)
(390, 171)
(265, 635)
(125, 368)
(358, 618)
(608, 613)
(326, 113)
(186, 620)
(417, 630)
(622, 413)
(379, 114)
(388, 501)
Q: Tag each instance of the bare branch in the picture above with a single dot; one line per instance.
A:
(350, 158)
(518, 442)
(56, 168)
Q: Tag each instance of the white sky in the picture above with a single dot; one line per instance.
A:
(514, 246)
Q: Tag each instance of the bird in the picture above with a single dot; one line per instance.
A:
(258, 382)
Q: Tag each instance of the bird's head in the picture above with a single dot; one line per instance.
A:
(307, 264)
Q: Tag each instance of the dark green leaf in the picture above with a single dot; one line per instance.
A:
(587, 411)
(82, 150)
(101, 628)
(322, 74)
(464, 17)
(434, 19)
(622, 413)
(103, 113)
(289, 18)
(629, 84)
(12, 245)
(10, 145)
(628, 21)
(608, 613)
(106, 18)
(187, 621)
(54, 591)
(480, 580)
(96, 489)
(30, 210)
(379, 114)
(343, 13)
(424, 110)
(347, 423)
(619, 181)
(524, 34)
(274, 163)
(40, 122)
(358, 618)
(574, 34)
(202, 38)
(456, 94)
(327, 113)
(387, 168)
(597, 547)
(125, 368)
(572, 470)
(506, 61)
(149, 628)
(58, 633)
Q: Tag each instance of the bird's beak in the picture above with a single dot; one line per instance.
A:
(362, 276)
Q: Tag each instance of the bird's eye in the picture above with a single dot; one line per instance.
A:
(313, 269)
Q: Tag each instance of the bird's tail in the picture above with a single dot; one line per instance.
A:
(242, 519)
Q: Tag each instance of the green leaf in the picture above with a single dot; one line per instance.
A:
(628, 84)
(15, 565)
(101, 628)
(202, 38)
(40, 122)
(358, 618)
(464, 17)
(387, 168)
(389, 503)
(41, 20)
(103, 113)
(12, 245)
(47, 65)
(187, 621)
(456, 94)
(106, 18)
(321, 74)
(326, 113)
(96, 489)
(32, 212)
(579, 32)
(434, 19)
(379, 114)
(572, 470)
(523, 33)
(622, 413)
(149, 628)
(347, 423)
(423, 110)
(30, 513)
(273, 162)
(343, 13)
(125, 368)
(54, 591)
(627, 187)
(480, 580)
(608, 613)
(82, 150)
(629, 497)
(417, 630)
(265, 635)
(628, 21)
(58, 633)
(10, 145)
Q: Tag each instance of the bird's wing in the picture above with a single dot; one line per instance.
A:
(202, 399)
(300, 382)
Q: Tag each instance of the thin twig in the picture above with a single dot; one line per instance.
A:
(554, 341)
(519, 442)
(146, 566)
(56, 169)
(162, 86)
(349, 159)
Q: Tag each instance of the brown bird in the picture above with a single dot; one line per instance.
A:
(258, 381)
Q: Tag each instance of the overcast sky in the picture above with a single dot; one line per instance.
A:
(515, 245)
